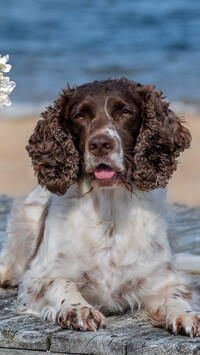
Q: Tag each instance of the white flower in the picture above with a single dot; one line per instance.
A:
(6, 86)
(3, 66)
(4, 100)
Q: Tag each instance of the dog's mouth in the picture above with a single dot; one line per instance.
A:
(104, 172)
(104, 175)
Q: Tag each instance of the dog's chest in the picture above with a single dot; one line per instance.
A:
(104, 234)
(104, 243)
(105, 247)
(108, 267)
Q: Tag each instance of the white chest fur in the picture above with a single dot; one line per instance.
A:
(106, 241)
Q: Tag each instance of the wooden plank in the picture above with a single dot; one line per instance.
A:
(24, 352)
(25, 332)
(124, 335)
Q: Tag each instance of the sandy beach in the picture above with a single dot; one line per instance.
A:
(16, 174)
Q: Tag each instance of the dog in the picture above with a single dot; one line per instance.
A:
(91, 239)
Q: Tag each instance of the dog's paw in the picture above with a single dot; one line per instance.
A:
(186, 324)
(80, 318)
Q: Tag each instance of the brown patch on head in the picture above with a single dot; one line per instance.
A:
(97, 108)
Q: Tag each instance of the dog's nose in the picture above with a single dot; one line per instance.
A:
(100, 145)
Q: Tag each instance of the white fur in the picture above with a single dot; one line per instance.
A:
(106, 110)
(107, 249)
(117, 156)
(22, 231)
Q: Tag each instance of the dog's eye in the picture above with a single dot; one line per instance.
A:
(126, 113)
(79, 116)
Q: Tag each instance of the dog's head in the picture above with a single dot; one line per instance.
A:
(110, 132)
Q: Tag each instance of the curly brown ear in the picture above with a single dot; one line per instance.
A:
(161, 139)
(54, 157)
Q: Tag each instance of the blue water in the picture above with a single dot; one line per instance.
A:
(52, 42)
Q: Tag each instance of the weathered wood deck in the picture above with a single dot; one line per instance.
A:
(25, 335)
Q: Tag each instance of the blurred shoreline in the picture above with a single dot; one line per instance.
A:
(16, 174)
(21, 110)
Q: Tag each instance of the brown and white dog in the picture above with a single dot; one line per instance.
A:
(96, 240)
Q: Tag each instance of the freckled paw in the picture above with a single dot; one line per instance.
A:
(82, 318)
(186, 324)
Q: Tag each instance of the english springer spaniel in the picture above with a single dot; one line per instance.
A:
(92, 239)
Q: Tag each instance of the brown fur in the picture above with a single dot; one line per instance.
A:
(159, 143)
(153, 139)
(54, 157)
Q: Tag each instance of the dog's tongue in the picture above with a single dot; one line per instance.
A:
(104, 172)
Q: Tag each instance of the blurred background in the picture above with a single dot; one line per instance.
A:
(53, 42)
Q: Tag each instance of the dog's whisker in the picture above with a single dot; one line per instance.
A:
(128, 158)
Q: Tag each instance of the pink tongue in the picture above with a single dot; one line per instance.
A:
(103, 172)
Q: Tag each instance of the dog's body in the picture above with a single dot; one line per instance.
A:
(102, 245)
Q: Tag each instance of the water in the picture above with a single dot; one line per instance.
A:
(54, 42)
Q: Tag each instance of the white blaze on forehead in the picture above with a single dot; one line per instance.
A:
(111, 129)
(105, 108)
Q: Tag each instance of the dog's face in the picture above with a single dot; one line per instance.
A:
(110, 132)
(105, 125)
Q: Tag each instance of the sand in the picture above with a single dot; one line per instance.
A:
(16, 174)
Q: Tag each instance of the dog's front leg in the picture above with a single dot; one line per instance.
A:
(74, 312)
(180, 316)
(172, 307)
(58, 300)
